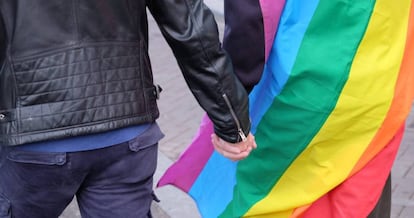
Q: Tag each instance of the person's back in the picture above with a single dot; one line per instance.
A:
(74, 69)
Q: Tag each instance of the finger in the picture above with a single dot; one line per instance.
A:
(225, 146)
(252, 140)
(240, 156)
(232, 156)
(243, 145)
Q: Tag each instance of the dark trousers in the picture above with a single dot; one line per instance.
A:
(113, 182)
(383, 207)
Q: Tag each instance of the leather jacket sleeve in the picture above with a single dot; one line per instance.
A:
(191, 31)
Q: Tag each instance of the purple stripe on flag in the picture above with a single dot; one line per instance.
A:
(271, 10)
(187, 168)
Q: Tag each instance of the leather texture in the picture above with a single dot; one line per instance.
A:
(71, 68)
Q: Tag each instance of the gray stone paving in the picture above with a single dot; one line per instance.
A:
(179, 120)
(403, 175)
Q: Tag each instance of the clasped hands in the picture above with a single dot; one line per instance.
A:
(234, 151)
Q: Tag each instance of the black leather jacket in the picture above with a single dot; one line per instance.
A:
(74, 67)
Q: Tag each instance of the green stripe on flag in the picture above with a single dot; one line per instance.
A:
(309, 96)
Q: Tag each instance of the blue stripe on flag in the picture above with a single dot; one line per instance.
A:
(212, 194)
(282, 56)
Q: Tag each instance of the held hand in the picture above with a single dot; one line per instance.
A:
(234, 151)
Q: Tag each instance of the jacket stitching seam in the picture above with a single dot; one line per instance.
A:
(81, 74)
(145, 116)
(71, 63)
(85, 86)
(65, 48)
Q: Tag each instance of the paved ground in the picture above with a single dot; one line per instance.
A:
(403, 175)
(180, 117)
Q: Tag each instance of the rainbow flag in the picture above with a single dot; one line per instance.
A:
(328, 115)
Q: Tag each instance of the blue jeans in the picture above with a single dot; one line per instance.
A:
(116, 181)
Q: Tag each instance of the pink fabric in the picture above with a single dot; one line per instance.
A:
(192, 160)
(271, 10)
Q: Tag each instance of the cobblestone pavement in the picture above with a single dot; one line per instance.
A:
(180, 117)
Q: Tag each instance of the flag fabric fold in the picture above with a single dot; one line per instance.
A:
(327, 114)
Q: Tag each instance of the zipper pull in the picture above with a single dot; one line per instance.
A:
(242, 135)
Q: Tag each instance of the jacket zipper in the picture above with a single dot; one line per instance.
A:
(75, 7)
(236, 120)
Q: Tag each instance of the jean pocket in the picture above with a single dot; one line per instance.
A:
(5, 208)
(32, 157)
(147, 139)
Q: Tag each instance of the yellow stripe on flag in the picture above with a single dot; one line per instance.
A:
(359, 113)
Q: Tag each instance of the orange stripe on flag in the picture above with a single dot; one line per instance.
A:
(401, 104)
